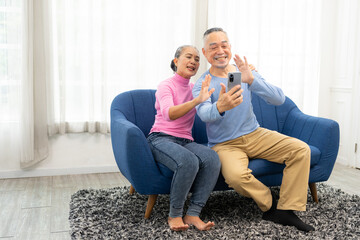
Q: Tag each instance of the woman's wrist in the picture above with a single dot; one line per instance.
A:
(196, 101)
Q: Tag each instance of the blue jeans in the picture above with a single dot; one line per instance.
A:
(195, 167)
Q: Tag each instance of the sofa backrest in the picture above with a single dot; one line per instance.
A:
(138, 107)
(270, 116)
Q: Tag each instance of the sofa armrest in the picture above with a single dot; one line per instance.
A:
(319, 132)
(133, 156)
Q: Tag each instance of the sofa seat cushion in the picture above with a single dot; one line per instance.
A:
(261, 167)
(315, 155)
(165, 171)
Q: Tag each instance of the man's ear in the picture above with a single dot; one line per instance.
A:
(203, 51)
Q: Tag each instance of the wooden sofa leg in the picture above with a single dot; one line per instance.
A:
(314, 192)
(132, 190)
(150, 205)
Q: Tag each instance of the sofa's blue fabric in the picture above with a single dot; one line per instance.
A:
(133, 114)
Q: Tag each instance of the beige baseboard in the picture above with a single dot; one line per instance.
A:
(56, 172)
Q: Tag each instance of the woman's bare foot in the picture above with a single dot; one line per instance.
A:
(198, 223)
(177, 224)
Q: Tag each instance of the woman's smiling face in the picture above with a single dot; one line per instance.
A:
(188, 62)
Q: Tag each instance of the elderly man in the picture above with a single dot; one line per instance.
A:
(235, 134)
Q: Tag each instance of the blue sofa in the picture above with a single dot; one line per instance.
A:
(133, 114)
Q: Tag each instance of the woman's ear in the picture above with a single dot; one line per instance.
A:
(176, 61)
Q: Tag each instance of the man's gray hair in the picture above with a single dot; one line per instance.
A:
(211, 30)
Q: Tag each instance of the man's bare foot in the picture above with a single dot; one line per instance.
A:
(198, 223)
(177, 224)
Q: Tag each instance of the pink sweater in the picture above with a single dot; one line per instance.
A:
(171, 92)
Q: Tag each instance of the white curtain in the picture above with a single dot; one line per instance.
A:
(281, 38)
(23, 132)
(103, 48)
(10, 79)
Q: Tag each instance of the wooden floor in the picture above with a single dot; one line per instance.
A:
(38, 208)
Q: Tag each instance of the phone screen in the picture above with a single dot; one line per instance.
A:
(234, 78)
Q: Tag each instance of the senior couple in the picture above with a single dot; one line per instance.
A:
(234, 137)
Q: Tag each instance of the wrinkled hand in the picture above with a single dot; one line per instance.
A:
(243, 66)
(229, 100)
(252, 67)
(204, 92)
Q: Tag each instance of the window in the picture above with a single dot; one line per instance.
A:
(10, 57)
(103, 48)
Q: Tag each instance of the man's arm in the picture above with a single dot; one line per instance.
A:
(270, 93)
(257, 84)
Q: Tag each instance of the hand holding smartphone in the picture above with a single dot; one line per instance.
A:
(234, 78)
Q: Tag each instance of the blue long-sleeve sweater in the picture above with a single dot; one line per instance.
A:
(240, 120)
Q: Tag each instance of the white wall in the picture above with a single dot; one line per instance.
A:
(69, 154)
(326, 68)
(340, 71)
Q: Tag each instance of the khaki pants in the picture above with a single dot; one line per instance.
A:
(275, 147)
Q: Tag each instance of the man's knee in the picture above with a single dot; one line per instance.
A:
(304, 150)
(303, 146)
(300, 153)
(237, 178)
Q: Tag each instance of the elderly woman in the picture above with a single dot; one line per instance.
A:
(195, 166)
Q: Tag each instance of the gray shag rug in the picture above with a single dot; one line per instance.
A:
(114, 214)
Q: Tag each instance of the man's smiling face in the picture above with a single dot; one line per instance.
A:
(217, 49)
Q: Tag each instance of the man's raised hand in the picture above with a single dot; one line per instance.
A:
(243, 66)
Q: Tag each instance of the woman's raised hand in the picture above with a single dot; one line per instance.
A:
(205, 93)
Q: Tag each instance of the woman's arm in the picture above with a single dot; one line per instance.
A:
(180, 110)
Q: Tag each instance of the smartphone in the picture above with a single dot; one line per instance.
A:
(234, 78)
